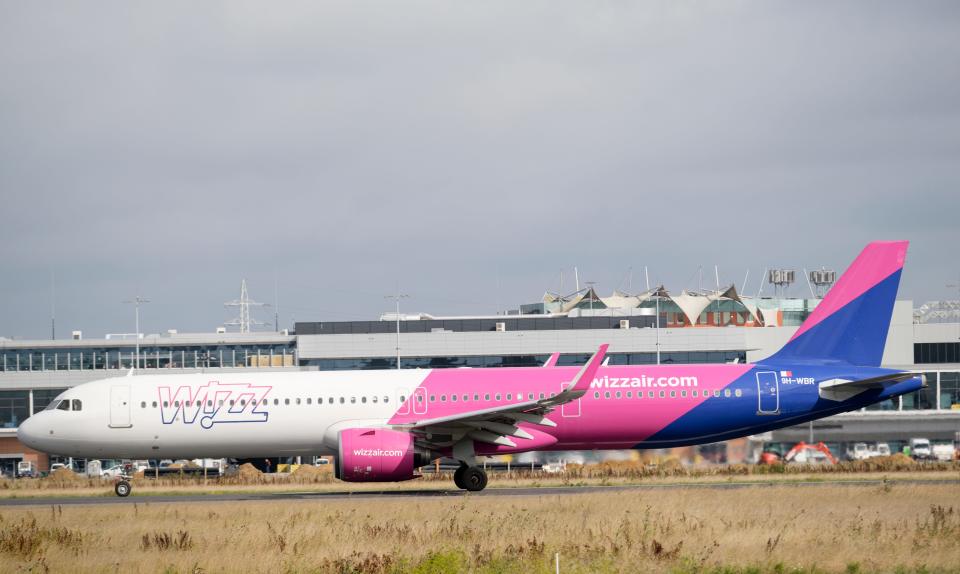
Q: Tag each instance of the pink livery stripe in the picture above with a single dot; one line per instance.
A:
(876, 262)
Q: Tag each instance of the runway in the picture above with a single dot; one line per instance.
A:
(452, 493)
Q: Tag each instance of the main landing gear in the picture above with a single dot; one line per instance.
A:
(470, 478)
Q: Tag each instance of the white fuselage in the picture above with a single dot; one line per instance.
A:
(236, 415)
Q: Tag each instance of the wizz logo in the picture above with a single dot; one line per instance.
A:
(214, 403)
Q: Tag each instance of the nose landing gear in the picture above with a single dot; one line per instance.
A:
(470, 478)
(122, 487)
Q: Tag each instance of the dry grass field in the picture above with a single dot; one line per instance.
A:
(65, 483)
(849, 529)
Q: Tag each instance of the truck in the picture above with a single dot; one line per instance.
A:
(26, 469)
(920, 449)
(944, 452)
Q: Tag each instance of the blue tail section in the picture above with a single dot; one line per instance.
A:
(850, 325)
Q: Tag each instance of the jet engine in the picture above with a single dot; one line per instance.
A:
(378, 455)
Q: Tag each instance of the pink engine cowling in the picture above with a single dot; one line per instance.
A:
(376, 455)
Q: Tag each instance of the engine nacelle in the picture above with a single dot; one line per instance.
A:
(377, 455)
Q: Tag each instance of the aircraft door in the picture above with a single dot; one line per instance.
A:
(420, 401)
(571, 409)
(120, 406)
(768, 393)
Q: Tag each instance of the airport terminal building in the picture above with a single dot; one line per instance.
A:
(715, 327)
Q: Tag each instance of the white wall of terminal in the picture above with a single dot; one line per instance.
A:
(759, 342)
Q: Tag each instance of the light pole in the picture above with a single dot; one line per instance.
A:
(396, 298)
(137, 301)
(657, 300)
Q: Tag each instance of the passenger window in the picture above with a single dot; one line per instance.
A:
(629, 394)
(353, 400)
(663, 394)
(541, 396)
(716, 393)
(386, 399)
(186, 404)
(166, 404)
(297, 400)
(433, 398)
(476, 397)
(673, 394)
(453, 398)
(77, 405)
(363, 400)
(466, 397)
(419, 398)
(693, 394)
(738, 392)
(210, 403)
(330, 400)
(509, 396)
(486, 397)
(596, 394)
(276, 401)
(373, 398)
(618, 394)
(243, 403)
(309, 401)
(726, 393)
(64, 406)
(443, 398)
(342, 400)
(530, 397)
(683, 394)
(650, 394)
(498, 396)
(285, 401)
(553, 395)
(263, 402)
(143, 404)
(155, 404)
(606, 395)
(177, 403)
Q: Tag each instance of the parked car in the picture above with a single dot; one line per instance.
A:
(943, 452)
(26, 469)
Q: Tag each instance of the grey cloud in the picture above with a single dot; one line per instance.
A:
(173, 149)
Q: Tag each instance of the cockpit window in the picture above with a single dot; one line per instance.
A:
(77, 405)
(64, 406)
(52, 405)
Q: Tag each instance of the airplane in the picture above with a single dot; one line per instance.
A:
(382, 426)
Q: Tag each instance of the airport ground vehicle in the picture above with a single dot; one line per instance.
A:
(26, 469)
(859, 451)
(382, 426)
(943, 452)
(920, 449)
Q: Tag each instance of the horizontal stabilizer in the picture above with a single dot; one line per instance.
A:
(843, 389)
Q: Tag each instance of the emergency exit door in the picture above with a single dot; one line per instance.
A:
(768, 393)
(120, 406)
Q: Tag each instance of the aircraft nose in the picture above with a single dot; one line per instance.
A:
(29, 431)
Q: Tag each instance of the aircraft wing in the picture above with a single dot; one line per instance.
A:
(499, 425)
(843, 389)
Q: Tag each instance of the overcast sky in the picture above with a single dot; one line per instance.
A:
(468, 151)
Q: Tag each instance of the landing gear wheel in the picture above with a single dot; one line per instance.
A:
(473, 479)
(122, 488)
(458, 476)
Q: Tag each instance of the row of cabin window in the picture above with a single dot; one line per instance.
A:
(673, 394)
(244, 402)
(443, 398)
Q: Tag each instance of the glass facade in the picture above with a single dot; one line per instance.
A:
(168, 357)
(471, 325)
(372, 363)
(14, 408)
(924, 353)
